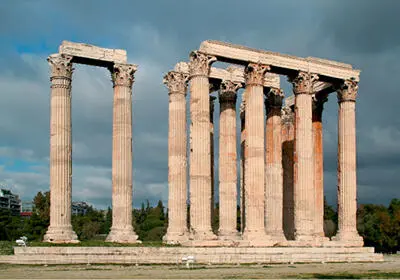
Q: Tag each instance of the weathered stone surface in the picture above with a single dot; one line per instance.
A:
(243, 55)
(80, 50)
(173, 255)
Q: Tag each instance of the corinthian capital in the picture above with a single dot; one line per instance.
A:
(199, 64)
(123, 74)
(176, 82)
(254, 73)
(227, 91)
(274, 98)
(61, 65)
(303, 82)
(347, 91)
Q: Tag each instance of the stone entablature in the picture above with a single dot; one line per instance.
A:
(92, 55)
(280, 63)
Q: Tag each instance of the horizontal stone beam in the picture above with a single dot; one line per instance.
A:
(233, 73)
(242, 55)
(92, 55)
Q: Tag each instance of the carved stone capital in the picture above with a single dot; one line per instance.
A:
(227, 91)
(347, 91)
(61, 66)
(303, 82)
(274, 98)
(254, 73)
(176, 82)
(123, 74)
(200, 63)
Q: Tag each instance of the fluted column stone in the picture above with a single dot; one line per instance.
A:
(255, 160)
(304, 197)
(288, 171)
(273, 166)
(242, 115)
(200, 156)
(347, 166)
(177, 231)
(227, 161)
(318, 106)
(121, 229)
(212, 99)
(60, 228)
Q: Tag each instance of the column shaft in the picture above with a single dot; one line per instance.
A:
(318, 166)
(177, 160)
(242, 165)
(227, 161)
(288, 171)
(347, 175)
(121, 229)
(200, 157)
(60, 229)
(304, 196)
(255, 160)
(273, 167)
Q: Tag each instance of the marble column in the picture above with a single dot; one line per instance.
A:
(60, 229)
(227, 161)
(242, 169)
(200, 156)
(304, 197)
(288, 171)
(212, 99)
(255, 159)
(347, 166)
(177, 231)
(273, 166)
(318, 106)
(121, 229)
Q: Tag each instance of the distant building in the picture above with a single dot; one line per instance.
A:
(10, 201)
(80, 208)
(26, 209)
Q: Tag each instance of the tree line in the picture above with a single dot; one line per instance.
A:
(377, 224)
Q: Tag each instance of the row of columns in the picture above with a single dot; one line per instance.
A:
(262, 182)
(60, 229)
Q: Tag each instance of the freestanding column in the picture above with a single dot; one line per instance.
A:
(304, 196)
(347, 177)
(273, 167)
(318, 106)
(288, 171)
(121, 229)
(60, 229)
(200, 157)
(255, 160)
(177, 231)
(227, 161)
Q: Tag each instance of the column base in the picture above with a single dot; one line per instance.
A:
(60, 235)
(122, 235)
(277, 236)
(174, 238)
(257, 238)
(352, 239)
(202, 235)
(229, 235)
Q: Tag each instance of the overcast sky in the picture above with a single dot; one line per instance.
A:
(156, 35)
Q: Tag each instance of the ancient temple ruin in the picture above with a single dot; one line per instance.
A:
(281, 182)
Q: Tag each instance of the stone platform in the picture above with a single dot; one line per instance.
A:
(173, 255)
